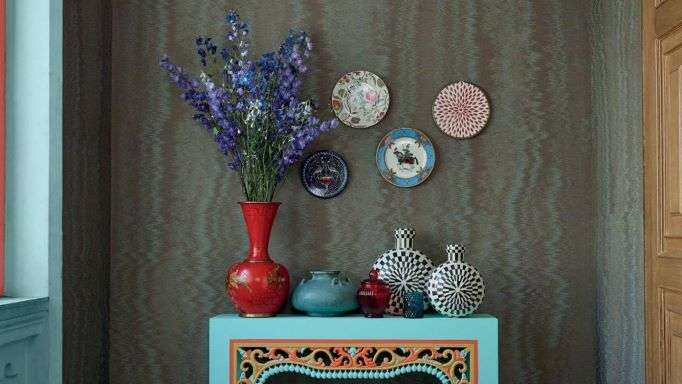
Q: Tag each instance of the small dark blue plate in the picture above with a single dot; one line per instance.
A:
(324, 174)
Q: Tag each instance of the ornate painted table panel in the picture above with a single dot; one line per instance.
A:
(250, 351)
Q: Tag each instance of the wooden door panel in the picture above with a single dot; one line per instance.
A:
(670, 51)
(671, 275)
(674, 373)
(667, 16)
(672, 335)
(662, 96)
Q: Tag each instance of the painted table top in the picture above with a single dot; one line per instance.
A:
(429, 317)
(473, 338)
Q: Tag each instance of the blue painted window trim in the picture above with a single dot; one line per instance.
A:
(34, 165)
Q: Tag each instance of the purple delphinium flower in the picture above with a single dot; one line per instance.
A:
(203, 120)
(227, 131)
(192, 92)
(175, 73)
(252, 107)
(205, 47)
(301, 139)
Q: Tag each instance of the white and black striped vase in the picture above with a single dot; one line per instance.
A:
(455, 287)
(404, 269)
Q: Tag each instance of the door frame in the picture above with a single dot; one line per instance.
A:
(661, 19)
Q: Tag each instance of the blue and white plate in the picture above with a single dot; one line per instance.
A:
(405, 157)
(324, 174)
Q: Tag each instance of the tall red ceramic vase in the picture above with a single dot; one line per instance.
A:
(257, 286)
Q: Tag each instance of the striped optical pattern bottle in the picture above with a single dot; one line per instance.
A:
(404, 269)
(455, 288)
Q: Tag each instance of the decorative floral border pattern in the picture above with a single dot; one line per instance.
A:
(450, 361)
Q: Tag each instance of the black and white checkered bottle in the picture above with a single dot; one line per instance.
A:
(455, 287)
(404, 269)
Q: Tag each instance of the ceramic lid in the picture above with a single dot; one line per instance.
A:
(373, 280)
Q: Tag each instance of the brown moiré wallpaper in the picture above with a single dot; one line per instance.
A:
(617, 121)
(86, 216)
(521, 195)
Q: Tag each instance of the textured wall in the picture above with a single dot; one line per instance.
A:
(521, 195)
(617, 121)
(86, 180)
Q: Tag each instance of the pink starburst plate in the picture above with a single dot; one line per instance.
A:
(461, 110)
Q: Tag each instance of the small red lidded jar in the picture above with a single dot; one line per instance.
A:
(373, 295)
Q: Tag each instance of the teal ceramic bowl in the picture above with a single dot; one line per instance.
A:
(326, 293)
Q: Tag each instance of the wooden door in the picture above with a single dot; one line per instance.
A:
(662, 86)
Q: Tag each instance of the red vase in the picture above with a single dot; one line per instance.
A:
(257, 286)
(374, 295)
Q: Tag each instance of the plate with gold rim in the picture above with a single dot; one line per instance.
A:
(360, 99)
(405, 157)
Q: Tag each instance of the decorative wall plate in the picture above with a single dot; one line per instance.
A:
(405, 157)
(404, 269)
(455, 287)
(461, 110)
(360, 99)
(324, 174)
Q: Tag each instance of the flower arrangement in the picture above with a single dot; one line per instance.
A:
(252, 107)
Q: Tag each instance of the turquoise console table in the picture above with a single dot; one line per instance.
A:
(454, 350)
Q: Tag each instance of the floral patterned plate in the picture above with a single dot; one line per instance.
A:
(324, 174)
(360, 99)
(405, 157)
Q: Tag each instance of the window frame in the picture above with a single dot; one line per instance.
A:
(3, 40)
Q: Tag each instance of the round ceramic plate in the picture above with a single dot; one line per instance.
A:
(461, 110)
(324, 174)
(360, 99)
(405, 157)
